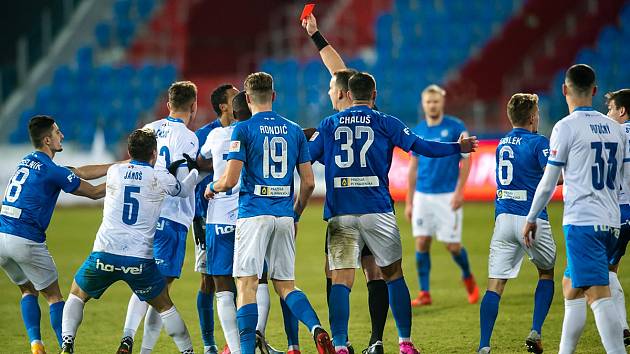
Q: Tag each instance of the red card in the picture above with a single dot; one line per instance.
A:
(308, 9)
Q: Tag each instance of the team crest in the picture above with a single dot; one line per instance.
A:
(444, 133)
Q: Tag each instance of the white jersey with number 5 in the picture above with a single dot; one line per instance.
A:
(217, 147)
(174, 140)
(591, 148)
(133, 201)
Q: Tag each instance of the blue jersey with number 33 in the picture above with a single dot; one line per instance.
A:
(271, 147)
(31, 195)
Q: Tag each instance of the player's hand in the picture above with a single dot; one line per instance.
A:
(172, 168)
(208, 194)
(310, 24)
(308, 132)
(408, 211)
(529, 233)
(468, 144)
(457, 201)
(192, 163)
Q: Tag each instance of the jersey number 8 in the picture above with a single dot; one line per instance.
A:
(15, 185)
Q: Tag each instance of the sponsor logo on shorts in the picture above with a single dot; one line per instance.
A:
(224, 229)
(144, 291)
(349, 182)
(111, 268)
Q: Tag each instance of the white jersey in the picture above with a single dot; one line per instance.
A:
(174, 140)
(133, 201)
(624, 194)
(223, 208)
(591, 148)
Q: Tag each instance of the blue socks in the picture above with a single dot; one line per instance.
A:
(247, 318)
(205, 309)
(462, 261)
(339, 312)
(56, 313)
(291, 325)
(423, 265)
(487, 316)
(302, 309)
(31, 315)
(542, 302)
(400, 303)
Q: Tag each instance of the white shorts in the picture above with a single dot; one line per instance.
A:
(347, 234)
(261, 238)
(25, 260)
(432, 215)
(199, 235)
(507, 247)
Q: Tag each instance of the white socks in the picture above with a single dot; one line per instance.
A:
(72, 317)
(152, 329)
(616, 291)
(227, 316)
(572, 325)
(135, 312)
(176, 328)
(608, 325)
(263, 302)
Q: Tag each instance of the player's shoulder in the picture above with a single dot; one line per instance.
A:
(155, 124)
(207, 128)
(452, 120)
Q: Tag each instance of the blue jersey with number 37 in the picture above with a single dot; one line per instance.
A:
(521, 159)
(31, 195)
(356, 147)
(271, 147)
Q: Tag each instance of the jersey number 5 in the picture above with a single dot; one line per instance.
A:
(130, 205)
(350, 136)
(15, 185)
(600, 174)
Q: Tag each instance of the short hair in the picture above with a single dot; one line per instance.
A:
(40, 127)
(362, 85)
(521, 107)
(621, 98)
(259, 87)
(141, 144)
(581, 79)
(342, 77)
(219, 96)
(240, 107)
(433, 88)
(181, 95)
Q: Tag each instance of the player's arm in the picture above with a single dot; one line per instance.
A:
(412, 176)
(90, 172)
(332, 60)
(88, 190)
(464, 172)
(204, 159)
(307, 185)
(227, 181)
(438, 149)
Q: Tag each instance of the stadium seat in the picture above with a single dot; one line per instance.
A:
(103, 34)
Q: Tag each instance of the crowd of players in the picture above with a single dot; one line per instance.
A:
(233, 180)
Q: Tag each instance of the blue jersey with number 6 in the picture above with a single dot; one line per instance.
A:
(271, 147)
(521, 159)
(31, 195)
(356, 147)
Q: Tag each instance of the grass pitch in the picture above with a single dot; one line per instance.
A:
(450, 325)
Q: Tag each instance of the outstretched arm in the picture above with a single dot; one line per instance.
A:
(90, 172)
(329, 55)
(438, 149)
(88, 190)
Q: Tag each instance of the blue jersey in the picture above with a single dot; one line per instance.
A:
(439, 175)
(521, 159)
(271, 147)
(356, 147)
(31, 195)
(201, 203)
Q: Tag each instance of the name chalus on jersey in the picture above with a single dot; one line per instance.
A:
(111, 268)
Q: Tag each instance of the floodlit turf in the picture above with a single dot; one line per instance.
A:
(450, 325)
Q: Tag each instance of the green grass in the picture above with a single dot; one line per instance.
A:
(450, 325)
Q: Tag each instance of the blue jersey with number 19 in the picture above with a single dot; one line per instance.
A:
(521, 159)
(271, 147)
(356, 147)
(31, 195)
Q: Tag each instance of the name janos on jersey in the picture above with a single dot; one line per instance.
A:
(511, 140)
(600, 128)
(133, 175)
(276, 129)
(355, 120)
(33, 165)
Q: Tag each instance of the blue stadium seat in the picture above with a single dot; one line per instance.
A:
(84, 57)
(124, 31)
(145, 7)
(122, 9)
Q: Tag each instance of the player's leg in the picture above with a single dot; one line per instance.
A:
(378, 300)
(136, 310)
(263, 302)
(327, 271)
(574, 315)
(489, 310)
(205, 296)
(616, 290)
(381, 234)
(422, 228)
(291, 328)
(171, 319)
(226, 310)
(281, 261)
(153, 325)
(73, 315)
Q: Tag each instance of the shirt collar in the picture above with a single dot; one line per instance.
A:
(584, 108)
(175, 120)
(140, 163)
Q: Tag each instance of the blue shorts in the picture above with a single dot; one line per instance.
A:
(588, 252)
(220, 249)
(169, 247)
(620, 246)
(100, 270)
